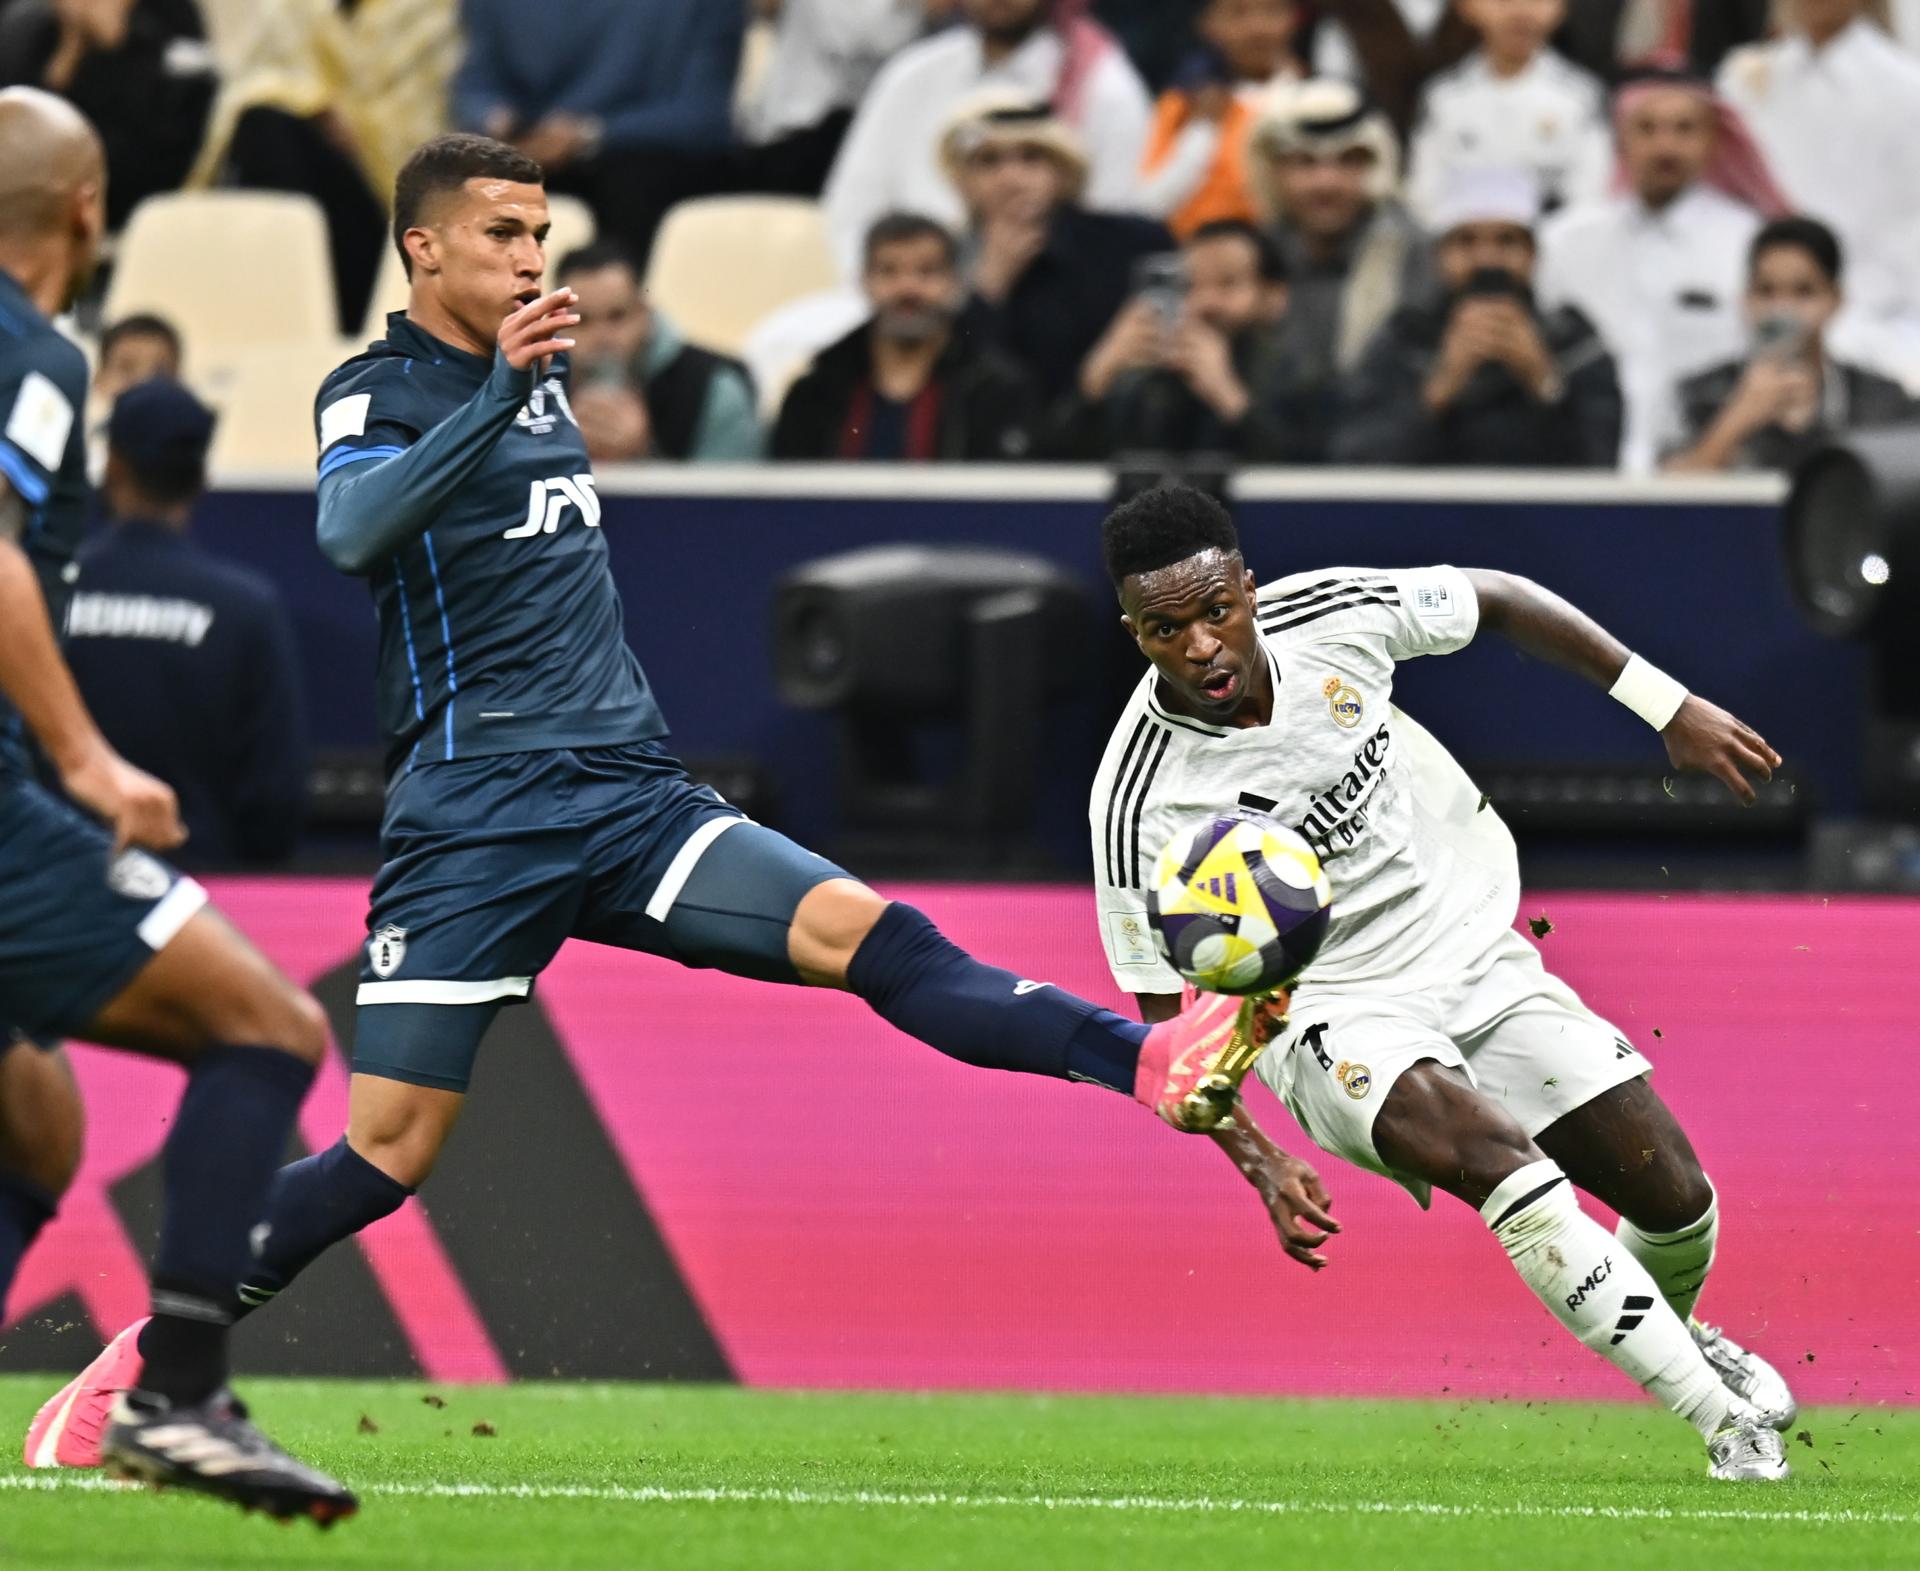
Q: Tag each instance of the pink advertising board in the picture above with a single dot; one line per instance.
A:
(846, 1208)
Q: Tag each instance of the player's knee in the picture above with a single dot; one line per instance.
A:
(405, 1151)
(1436, 1126)
(306, 1027)
(400, 1128)
(1676, 1195)
(828, 928)
(277, 1015)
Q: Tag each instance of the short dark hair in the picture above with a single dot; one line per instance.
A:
(1267, 257)
(1161, 526)
(897, 228)
(446, 164)
(592, 257)
(142, 324)
(1799, 233)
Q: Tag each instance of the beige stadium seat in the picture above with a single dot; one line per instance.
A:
(264, 398)
(572, 227)
(228, 268)
(723, 263)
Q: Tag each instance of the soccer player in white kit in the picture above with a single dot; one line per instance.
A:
(1426, 1041)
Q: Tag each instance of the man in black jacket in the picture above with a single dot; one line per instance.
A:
(187, 661)
(1788, 397)
(907, 384)
(1194, 365)
(1046, 275)
(1483, 377)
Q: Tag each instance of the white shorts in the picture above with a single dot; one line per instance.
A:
(1521, 1034)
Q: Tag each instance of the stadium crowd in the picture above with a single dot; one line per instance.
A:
(1646, 234)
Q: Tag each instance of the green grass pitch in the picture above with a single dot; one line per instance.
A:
(564, 1478)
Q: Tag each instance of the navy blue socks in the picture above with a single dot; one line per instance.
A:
(917, 980)
(228, 1137)
(313, 1205)
(25, 1208)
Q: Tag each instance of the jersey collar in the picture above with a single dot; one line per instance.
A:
(410, 338)
(1167, 716)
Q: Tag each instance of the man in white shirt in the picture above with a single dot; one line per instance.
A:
(1426, 1041)
(1835, 103)
(891, 158)
(824, 55)
(1513, 104)
(1658, 269)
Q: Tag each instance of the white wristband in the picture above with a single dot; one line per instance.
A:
(1649, 692)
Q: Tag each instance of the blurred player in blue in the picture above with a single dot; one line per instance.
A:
(100, 940)
(531, 797)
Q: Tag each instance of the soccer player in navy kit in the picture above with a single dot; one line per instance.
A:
(100, 940)
(531, 797)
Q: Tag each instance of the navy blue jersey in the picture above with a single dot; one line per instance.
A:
(43, 455)
(500, 628)
(187, 663)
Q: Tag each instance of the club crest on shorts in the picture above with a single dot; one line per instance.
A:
(138, 876)
(1343, 703)
(1355, 1079)
(386, 949)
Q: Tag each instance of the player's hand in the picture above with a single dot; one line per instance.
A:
(1300, 1207)
(140, 810)
(533, 332)
(1703, 737)
(1296, 1200)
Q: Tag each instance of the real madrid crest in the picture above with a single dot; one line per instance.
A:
(1355, 1079)
(1343, 702)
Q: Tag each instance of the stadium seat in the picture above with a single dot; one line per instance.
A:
(264, 397)
(228, 268)
(723, 263)
(573, 227)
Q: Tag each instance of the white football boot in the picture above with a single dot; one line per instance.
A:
(1747, 1449)
(1747, 1375)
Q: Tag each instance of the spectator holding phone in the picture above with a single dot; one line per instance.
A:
(1195, 171)
(1190, 364)
(1484, 376)
(1788, 397)
(1046, 275)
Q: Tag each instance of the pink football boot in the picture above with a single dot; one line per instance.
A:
(1191, 1066)
(66, 1432)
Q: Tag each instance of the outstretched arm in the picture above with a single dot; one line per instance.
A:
(373, 500)
(1291, 1190)
(1698, 735)
(138, 808)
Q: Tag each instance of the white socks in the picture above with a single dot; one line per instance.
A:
(1597, 1288)
(1677, 1262)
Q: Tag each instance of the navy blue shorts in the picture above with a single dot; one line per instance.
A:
(76, 922)
(490, 864)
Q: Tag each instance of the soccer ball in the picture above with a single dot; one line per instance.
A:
(1239, 904)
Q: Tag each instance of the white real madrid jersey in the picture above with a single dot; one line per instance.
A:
(1424, 876)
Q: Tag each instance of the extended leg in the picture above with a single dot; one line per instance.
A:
(756, 904)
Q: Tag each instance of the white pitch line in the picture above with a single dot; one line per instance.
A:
(647, 1494)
